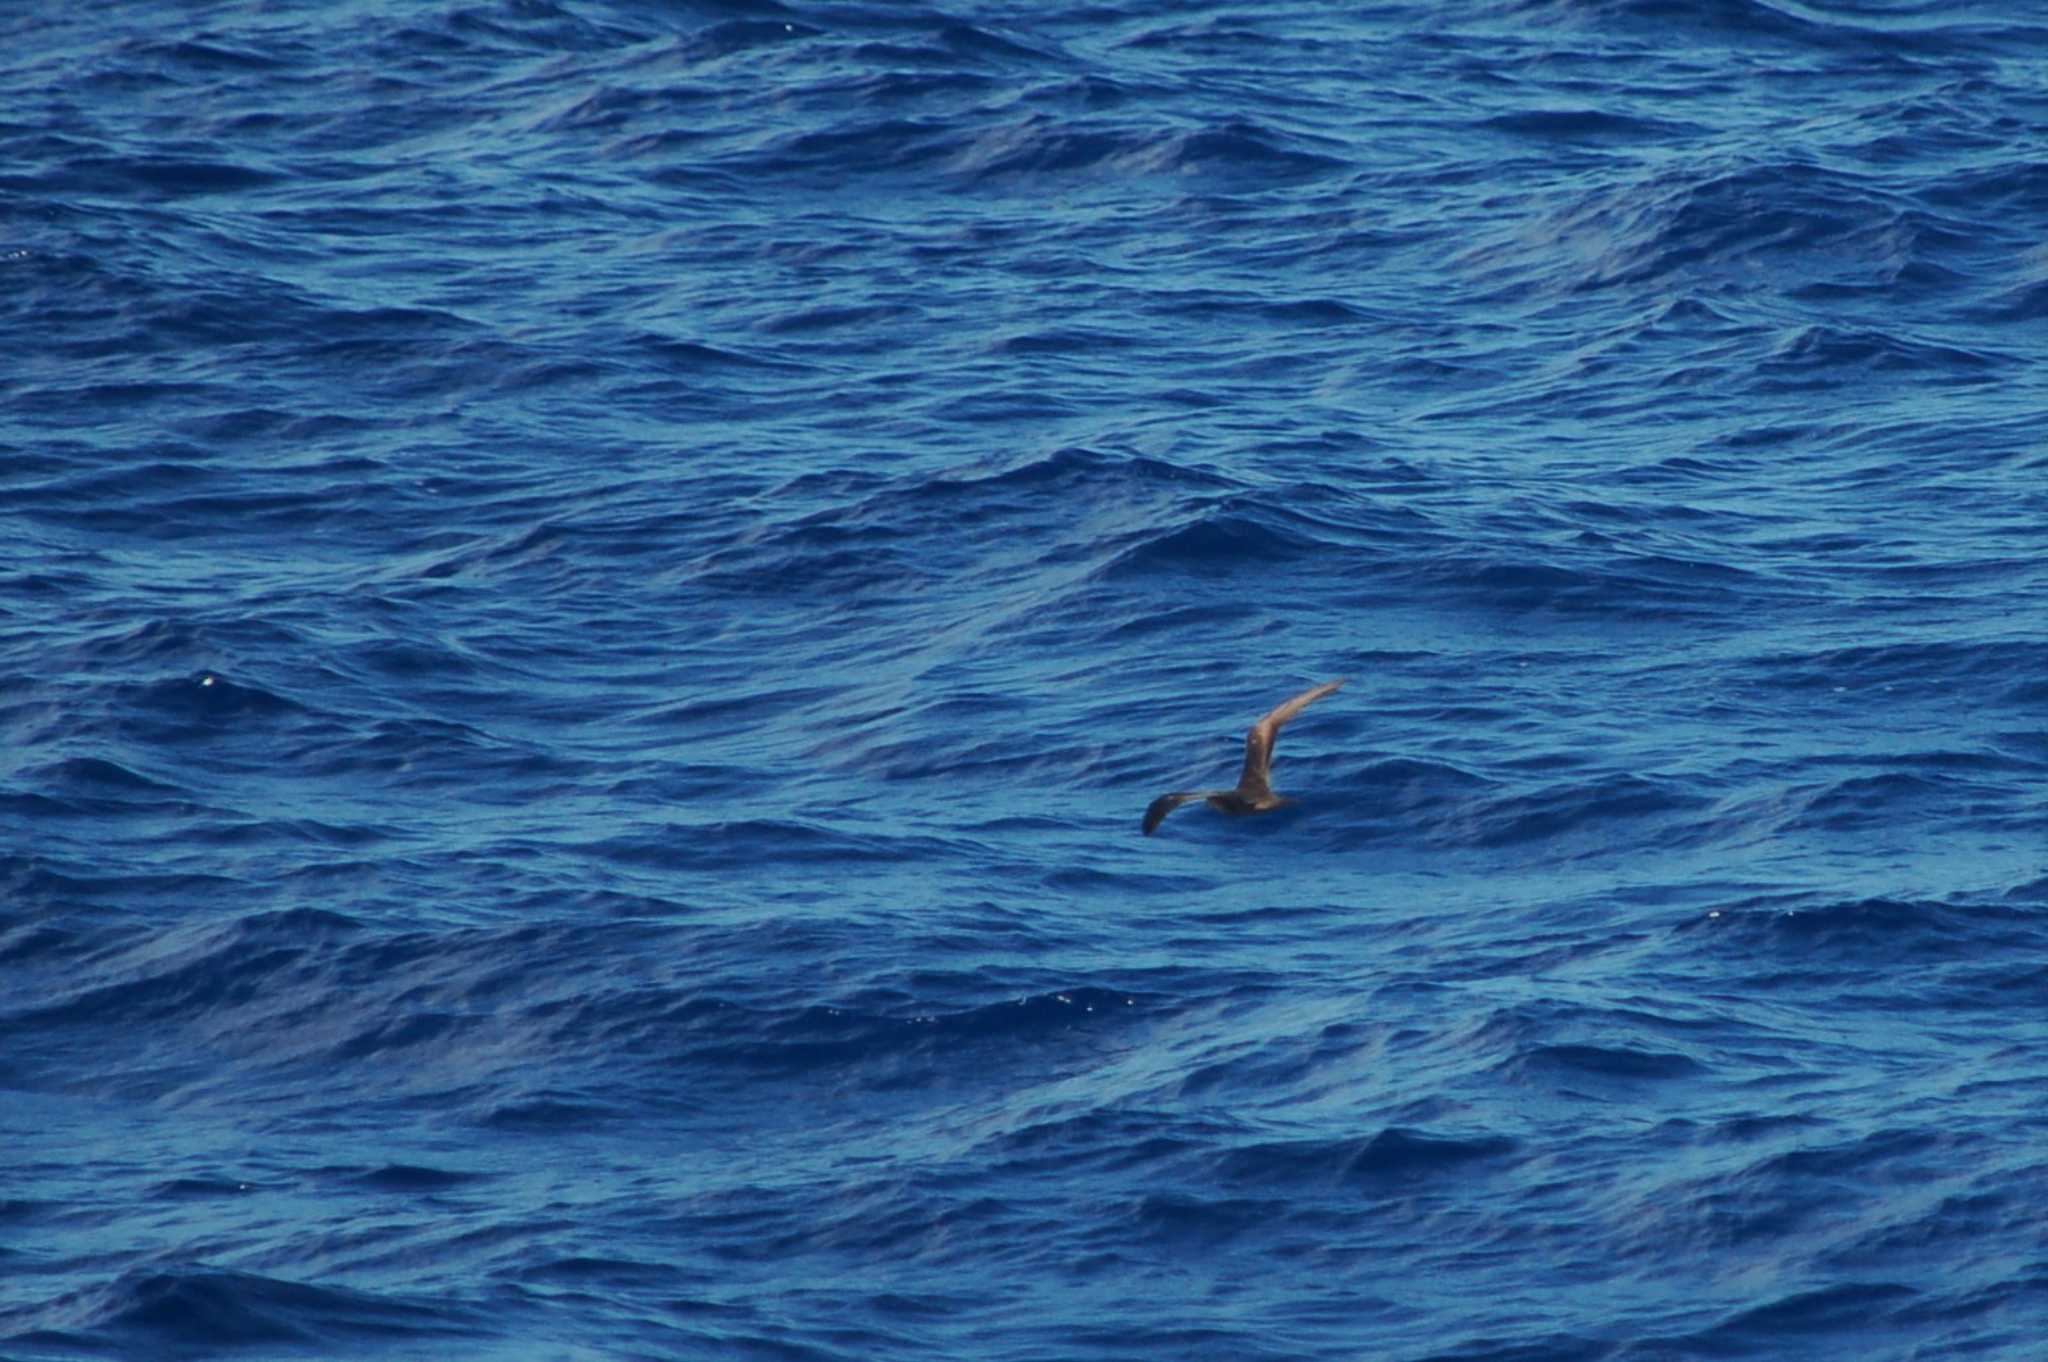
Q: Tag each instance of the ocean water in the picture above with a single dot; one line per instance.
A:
(592, 592)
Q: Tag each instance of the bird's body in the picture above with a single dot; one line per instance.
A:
(1254, 792)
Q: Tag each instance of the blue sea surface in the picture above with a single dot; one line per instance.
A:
(592, 593)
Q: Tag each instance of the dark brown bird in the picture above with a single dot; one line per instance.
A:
(1254, 792)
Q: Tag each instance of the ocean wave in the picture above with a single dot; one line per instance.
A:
(1395, 1154)
(861, 545)
(184, 1310)
(1897, 43)
(1861, 1309)
(1581, 125)
(1574, 1063)
(1215, 544)
(1699, 226)
(1968, 953)
(1926, 667)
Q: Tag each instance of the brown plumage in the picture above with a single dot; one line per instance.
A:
(1254, 792)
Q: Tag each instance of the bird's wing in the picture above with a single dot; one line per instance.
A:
(1257, 780)
(1156, 811)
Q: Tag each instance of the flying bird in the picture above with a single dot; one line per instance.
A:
(1254, 792)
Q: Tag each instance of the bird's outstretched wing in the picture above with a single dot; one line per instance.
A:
(1156, 811)
(1257, 780)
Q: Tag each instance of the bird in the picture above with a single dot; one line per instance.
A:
(1254, 792)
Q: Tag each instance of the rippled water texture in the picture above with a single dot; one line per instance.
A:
(591, 595)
